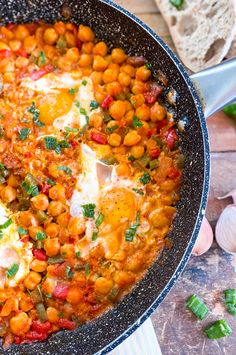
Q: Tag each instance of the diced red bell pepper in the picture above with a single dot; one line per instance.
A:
(32, 335)
(74, 144)
(161, 124)
(45, 187)
(22, 53)
(170, 137)
(17, 339)
(39, 327)
(25, 239)
(99, 137)
(61, 291)
(150, 98)
(5, 53)
(173, 173)
(66, 324)
(154, 152)
(40, 254)
(106, 102)
(151, 131)
(10, 26)
(35, 75)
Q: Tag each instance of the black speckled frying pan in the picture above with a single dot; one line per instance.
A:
(118, 27)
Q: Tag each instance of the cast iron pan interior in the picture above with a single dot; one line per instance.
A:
(117, 26)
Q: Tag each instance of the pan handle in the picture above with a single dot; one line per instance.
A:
(216, 86)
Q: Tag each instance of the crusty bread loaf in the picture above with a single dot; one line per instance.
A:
(202, 30)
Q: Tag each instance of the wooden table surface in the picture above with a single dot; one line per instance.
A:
(178, 332)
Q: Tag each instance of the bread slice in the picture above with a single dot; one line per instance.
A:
(232, 51)
(202, 30)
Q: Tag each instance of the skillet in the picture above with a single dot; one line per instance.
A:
(118, 27)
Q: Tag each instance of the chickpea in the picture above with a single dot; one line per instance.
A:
(32, 280)
(139, 87)
(52, 314)
(65, 64)
(87, 47)
(33, 230)
(100, 94)
(96, 120)
(137, 100)
(143, 73)
(53, 171)
(132, 138)
(85, 34)
(118, 56)
(13, 181)
(8, 194)
(129, 117)
(117, 109)
(57, 192)
(103, 285)
(114, 139)
(167, 185)
(55, 208)
(85, 60)
(30, 44)
(96, 77)
(109, 75)
(50, 36)
(21, 32)
(15, 45)
(100, 49)
(73, 54)
(128, 69)
(143, 112)
(21, 62)
(76, 225)
(20, 324)
(137, 151)
(52, 230)
(158, 219)
(63, 219)
(38, 265)
(124, 79)
(68, 250)
(70, 39)
(135, 262)
(7, 33)
(114, 88)
(52, 246)
(26, 305)
(75, 295)
(99, 63)
(123, 169)
(157, 112)
(27, 219)
(128, 106)
(124, 278)
(40, 202)
(60, 27)
(9, 77)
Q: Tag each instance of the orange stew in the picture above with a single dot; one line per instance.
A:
(90, 169)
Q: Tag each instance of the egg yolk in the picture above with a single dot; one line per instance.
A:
(54, 105)
(118, 205)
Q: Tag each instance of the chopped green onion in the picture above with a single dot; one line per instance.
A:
(58, 149)
(77, 254)
(131, 232)
(64, 144)
(153, 164)
(84, 82)
(177, 3)
(41, 312)
(50, 182)
(196, 305)
(23, 133)
(87, 269)
(145, 179)
(136, 122)
(93, 104)
(73, 91)
(58, 259)
(230, 300)
(107, 117)
(40, 236)
(99, 220)
(11, 272)
(131, 158)
(138, 191)
(69, 272)
(112, 128)
(41, 59)
(218, 329)
(230, 110)
(94, 236)
(83, 111)
(148, 65)
(30, 185)
(32, 109)
(6, 224)
(65, 168)
(77, 104)
(50, 142)
(22, 231)
(88, 210)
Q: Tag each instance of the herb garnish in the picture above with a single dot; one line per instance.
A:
(22, 231)
(12, 271)
(30, 185)
(177, 3)
(84, 82)
(33, 109)
(41, 59)
(50, 142)
(50, 182)
(40, 236)
(136, 122)
(145, 178)
(6, 224)
(65, 168)
(131, 232)
(88, 210)
(72, 91)
(138, 191)
(23, 133)
(99, 220)
(93, 104)
(87, 269)
(94, 236)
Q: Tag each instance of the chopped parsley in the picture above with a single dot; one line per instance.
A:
(88, 210)
(136, 122)
(41, 59)
(177, 3)
(11, 272)
(40, 236)
(77, 254)
(77, 104)
(99, 220)
(6, 224)
(50, 142)
(24, 133)
(35, 112)
(72, 91)
(138, 191)
(93, 105)
(50, 182)
(94, 236)
(87, 269)
(83, 111)
(84, 82)
(145, 178)
(22, 231)
(64, 168)
(131, 232)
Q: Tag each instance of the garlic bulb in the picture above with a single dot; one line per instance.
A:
(204, 239)
(226, 226)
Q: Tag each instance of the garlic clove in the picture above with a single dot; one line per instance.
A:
(226, 229)
(204, 239)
